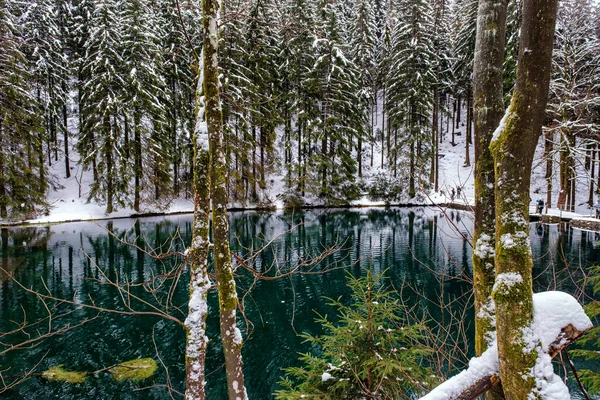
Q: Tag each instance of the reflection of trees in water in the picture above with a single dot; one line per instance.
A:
(418, 248)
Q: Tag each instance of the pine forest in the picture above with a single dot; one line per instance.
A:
(330, 99)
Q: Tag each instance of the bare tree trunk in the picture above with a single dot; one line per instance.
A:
(513, 152)
(592, 150)
(453, 119)
(66, 142)
(488, 108)
(548, 147)
(228, 300)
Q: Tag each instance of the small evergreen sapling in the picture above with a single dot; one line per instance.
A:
(371, 353)
(591, 339)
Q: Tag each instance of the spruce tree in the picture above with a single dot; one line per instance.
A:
(47, 47)
(411, 76)
(572, 93)
(23, 176)
(343, 104)
(100, 142)
(145, 101)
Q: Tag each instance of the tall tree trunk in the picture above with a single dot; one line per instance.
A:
(458, 112)
(109, 173)
(468, 132)
(137, 162)
(66, 142)
(592, 150)
(513, 152)
(548, 148)
(196, 339)
(453, 124)
(228, 300)
(488, 108)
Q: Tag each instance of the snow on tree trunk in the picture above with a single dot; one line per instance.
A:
(558, 321)
(228, 300)
(513, 147)
(197, 340)
(488, 108)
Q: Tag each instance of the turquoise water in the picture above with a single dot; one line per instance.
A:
(75, 261)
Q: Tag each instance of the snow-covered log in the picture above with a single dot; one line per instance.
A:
(558, 321)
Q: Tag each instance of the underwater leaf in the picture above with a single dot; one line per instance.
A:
(58, 373)
(136, 370)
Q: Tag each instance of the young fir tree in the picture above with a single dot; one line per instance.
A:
(23, 176)
(102, 96)
(411, 76)
(372, 352)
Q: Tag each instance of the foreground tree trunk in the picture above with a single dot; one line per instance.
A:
(228, 300)
(195, 323)
(513, 151)
(488, 108)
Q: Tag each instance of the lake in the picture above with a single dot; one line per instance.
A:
(422, 250)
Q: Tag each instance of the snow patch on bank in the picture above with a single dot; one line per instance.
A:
(552, 312)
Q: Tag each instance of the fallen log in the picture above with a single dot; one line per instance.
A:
(483, 371)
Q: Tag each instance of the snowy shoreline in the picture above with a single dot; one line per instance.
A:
(127, 214)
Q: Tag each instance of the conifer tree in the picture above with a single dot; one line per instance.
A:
(46, 45)
(145, 100)
(343, 102)
(411, 75)
(23, 176)
(298, 36)
(102, 95)
(572, 93)
(179, 78)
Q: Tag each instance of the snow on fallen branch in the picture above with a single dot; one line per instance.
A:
(558, 321)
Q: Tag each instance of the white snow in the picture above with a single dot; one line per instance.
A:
(552, 312)
(325, 377)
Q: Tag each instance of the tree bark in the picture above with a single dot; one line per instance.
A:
(488, 108)
(196, 339)
(228, 300)
(513, 152)
(548, 147)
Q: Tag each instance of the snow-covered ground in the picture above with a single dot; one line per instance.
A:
(68, 198)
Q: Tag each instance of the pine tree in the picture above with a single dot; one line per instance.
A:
(298, 37)
(23, 176)
(572, 95)
(102, 95)
(145, 101)
(372, 352)
(464, 49)
(44, 23)
(179, 77)
(363, 36)
(411, 76)
(343, 103)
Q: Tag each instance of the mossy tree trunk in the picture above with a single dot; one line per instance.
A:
(228, 300)
(488, 108)
(513, 152)
(197, 340)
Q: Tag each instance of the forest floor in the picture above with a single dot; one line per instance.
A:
(68, 196)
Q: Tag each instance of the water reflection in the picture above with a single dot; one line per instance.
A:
(75, 261)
